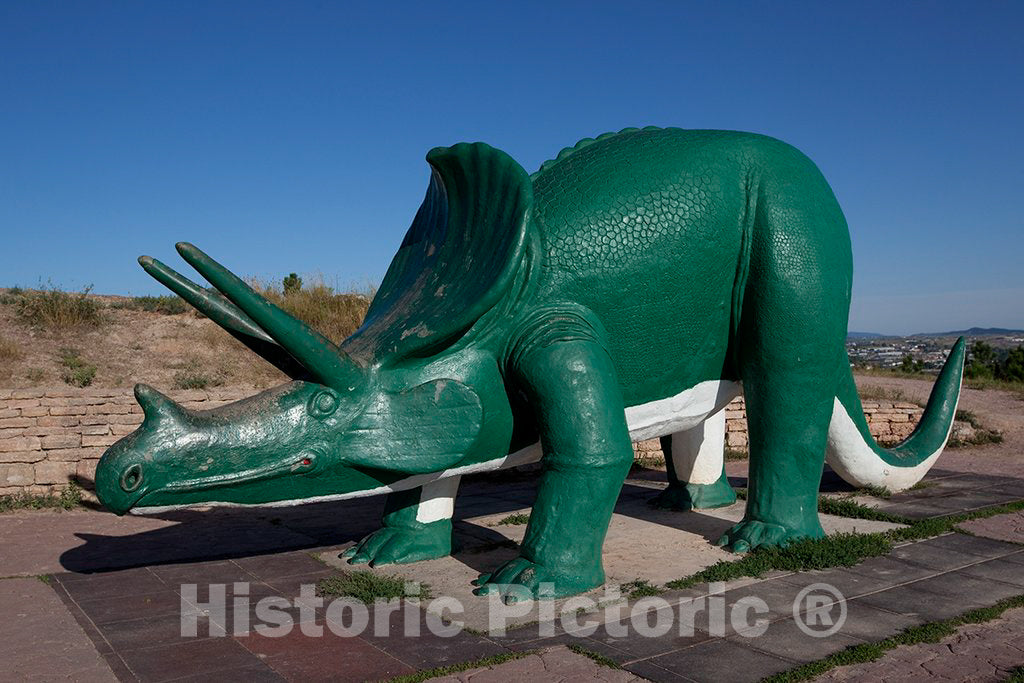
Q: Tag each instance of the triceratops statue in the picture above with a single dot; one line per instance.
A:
(621, 292)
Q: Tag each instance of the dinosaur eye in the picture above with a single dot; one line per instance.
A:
(324, 403)
(131, 478)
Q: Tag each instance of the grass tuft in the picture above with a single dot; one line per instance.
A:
(77, 372)
(640, 588)
(58, 310)
(516, 519)
(69, 498)
(837, 550)
(845, 507)
(876, 491)
(192, 376)
(167, 304)
(367, 586)
(595, 656)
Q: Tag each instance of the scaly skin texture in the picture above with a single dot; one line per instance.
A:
(522, 308)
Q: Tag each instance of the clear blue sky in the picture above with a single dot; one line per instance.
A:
(290, 136)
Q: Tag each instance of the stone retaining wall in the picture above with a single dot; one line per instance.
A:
(49, 437)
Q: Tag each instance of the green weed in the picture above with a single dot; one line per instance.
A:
(77, 372)
(367, 586)
(868, 652)
(516, 519)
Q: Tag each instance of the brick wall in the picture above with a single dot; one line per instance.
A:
(49, 437)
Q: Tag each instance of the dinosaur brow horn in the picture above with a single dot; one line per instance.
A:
(211, 304)
(329, 364)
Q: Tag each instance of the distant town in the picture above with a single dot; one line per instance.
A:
(928, 349)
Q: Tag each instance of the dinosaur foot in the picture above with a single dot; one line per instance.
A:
(521, 579)
(396, 545)
(680, 496)
(750, 534)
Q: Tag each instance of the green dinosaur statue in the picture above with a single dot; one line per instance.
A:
(622, 292)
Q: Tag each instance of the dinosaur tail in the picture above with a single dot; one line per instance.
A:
(853, 453)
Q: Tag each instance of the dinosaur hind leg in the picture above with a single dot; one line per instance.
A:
(696, 468)
(794, 314)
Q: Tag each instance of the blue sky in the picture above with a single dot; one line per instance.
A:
(290, 136)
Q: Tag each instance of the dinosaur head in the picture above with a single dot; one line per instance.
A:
(340, 429)
(298, 442)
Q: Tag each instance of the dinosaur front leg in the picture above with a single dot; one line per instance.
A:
(417, 526)
(696, 468)
(587, 454)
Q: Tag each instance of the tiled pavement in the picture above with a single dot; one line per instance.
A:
(133, 614)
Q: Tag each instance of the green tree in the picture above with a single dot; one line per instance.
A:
(1012, 369)
(292, 283)
(983, 363)
(909, 365)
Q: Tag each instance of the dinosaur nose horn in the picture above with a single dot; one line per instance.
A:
(154, 404)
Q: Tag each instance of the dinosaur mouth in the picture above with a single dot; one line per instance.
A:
(303, 463)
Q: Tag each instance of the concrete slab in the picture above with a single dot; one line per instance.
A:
(41, 640)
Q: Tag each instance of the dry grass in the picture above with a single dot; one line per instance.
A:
(872, 393)
(57, 310)
(334, 314)
(9, 350)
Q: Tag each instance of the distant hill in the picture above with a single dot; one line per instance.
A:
(973, 332)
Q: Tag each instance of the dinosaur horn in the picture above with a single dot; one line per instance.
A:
(327, 363)
(211, 304)
(220, 310)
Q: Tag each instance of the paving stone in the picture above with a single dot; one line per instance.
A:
(784, 638)
(938, 557)
(891, 569)
(722, 660)
(162, 629)
(915, 602)
(297, 656)
(201, 657)
(962, 588)
(973, 545)
(997, 570)
(554, 664)
(133, 606)
(869, 624)
(972, 500)
(849, 583)
(648, 670)
(426, 650)
(139, 581)
(632, 646)
(279, 565)
(1006, 527)
(220, 571)
(41, 639)
(777, 594)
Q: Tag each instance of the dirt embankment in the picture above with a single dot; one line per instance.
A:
(994, 409)
(129, 346)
